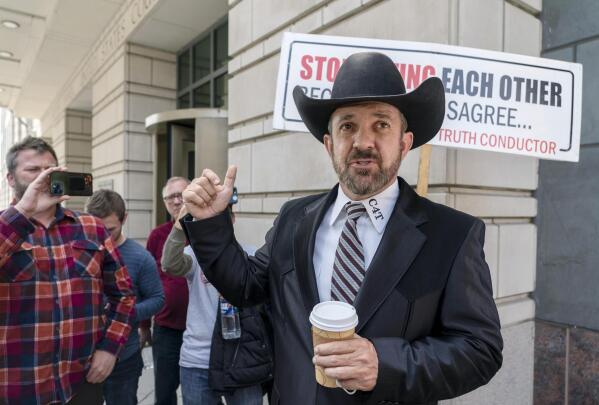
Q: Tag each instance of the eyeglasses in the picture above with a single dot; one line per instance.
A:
(172, 197)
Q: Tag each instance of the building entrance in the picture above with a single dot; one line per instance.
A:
(186, 141)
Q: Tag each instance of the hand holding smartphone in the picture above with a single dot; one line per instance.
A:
(70, 183)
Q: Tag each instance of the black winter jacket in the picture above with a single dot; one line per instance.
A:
(243, 362)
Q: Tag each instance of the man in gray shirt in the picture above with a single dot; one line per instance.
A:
(196, 361)
(121, 385)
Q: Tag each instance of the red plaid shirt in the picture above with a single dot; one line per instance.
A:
(52, 318)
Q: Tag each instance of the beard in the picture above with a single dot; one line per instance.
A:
(19, 189)
(365, 181)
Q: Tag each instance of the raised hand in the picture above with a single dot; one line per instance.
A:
(37, 197)
(182, 213)
(206, 197)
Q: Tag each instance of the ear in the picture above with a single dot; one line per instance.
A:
(327, 140)
(406, 143)
(10, 178)
(125, 218)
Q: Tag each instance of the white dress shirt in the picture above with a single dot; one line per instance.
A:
(370, 231)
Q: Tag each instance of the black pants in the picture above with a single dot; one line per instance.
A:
(88, 394)
(120, 388)
(166, 347)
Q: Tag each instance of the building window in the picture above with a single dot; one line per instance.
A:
(202, 70)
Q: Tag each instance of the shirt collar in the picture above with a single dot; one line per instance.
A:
(62, 212)
(379, 207)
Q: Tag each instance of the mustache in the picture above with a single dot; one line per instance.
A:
(364, 154)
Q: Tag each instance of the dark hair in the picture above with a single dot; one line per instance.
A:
(29, 143)
(103, 203)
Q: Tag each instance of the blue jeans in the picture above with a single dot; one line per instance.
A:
(166, 347)
(196, 391)
(120, 388)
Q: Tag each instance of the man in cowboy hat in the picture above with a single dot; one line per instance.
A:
(414, 270)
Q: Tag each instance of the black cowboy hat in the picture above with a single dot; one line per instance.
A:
(372, 76)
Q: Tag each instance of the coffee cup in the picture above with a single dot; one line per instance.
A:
(331, 321)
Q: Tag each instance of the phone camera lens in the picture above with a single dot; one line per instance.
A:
(56, 188)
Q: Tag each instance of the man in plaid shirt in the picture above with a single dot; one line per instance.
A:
(57, 340)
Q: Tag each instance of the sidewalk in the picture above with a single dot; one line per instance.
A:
(145, 391)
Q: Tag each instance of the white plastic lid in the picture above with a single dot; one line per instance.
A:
(334, 316)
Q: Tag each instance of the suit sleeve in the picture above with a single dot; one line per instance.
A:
(241, 279)
(464, 354)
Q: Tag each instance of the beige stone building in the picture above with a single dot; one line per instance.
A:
(138, 90)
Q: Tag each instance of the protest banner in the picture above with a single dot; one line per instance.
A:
(495, 101)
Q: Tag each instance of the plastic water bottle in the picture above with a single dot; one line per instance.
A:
(229, 320)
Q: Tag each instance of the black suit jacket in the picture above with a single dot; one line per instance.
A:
(426, 301)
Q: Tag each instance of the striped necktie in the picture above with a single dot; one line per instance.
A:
(349, 269)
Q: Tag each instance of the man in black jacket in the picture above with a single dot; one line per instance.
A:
(414, 270)
(210, 365)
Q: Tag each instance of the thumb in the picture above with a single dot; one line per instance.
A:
(182, 212)
(230, 177)
(63, 198)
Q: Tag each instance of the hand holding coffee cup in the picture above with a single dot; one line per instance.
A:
(341, 358)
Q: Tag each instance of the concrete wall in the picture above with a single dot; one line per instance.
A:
(70, 134)
(566, 356)
(133, 83)
(276, 166)
(569, 212)
(74, 148)
(127, 83)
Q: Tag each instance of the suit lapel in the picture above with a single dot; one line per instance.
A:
(303, 247)
(399, 246)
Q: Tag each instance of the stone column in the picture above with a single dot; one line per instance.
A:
(276, 166)
(70, 136)
(134, 82)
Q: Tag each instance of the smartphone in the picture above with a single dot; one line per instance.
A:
(69, 183)
(234, 198)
